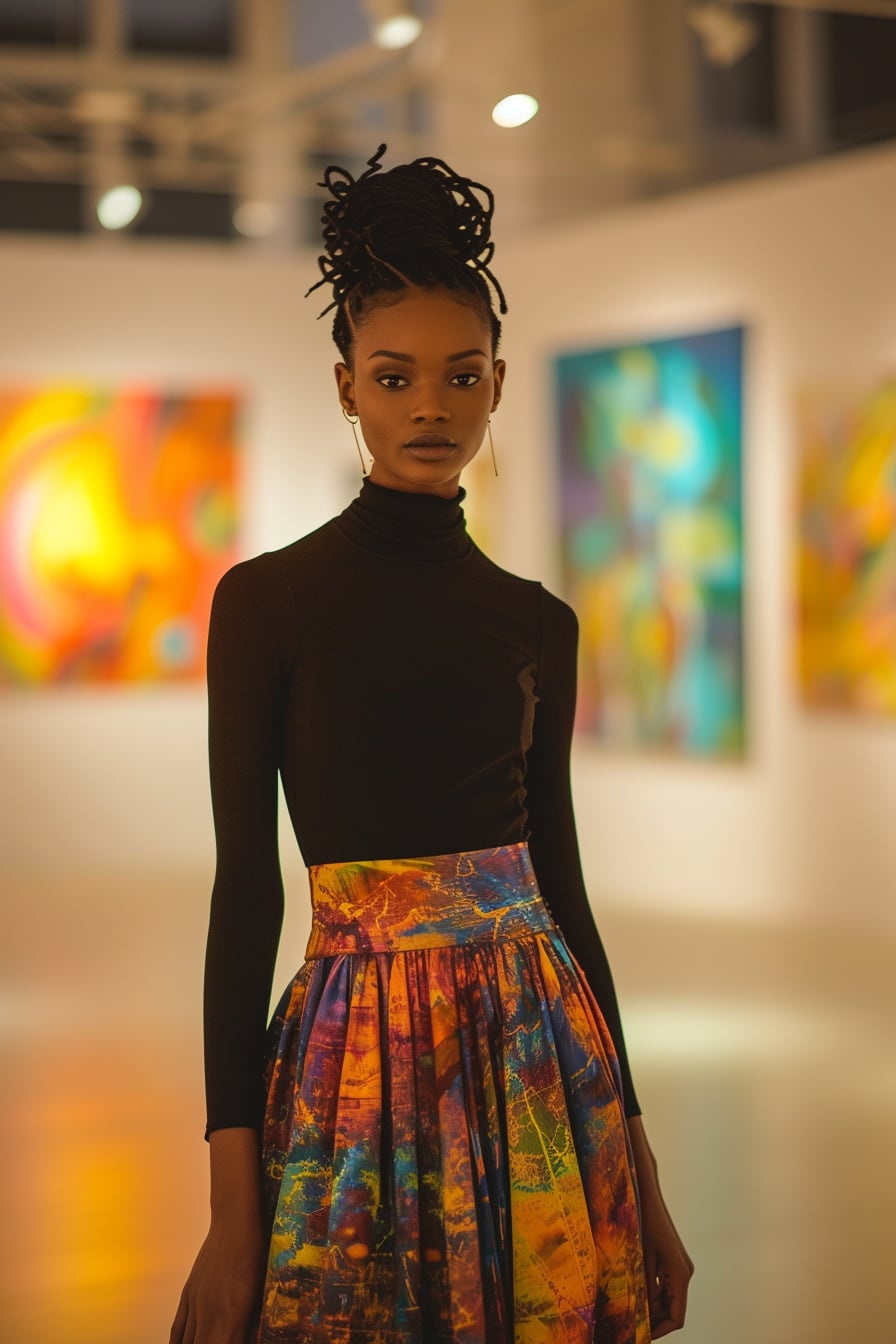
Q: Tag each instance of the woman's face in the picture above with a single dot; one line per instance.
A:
(423, 383)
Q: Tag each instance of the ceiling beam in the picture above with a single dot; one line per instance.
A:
(151, 74)
(27, 162)
(262, 100)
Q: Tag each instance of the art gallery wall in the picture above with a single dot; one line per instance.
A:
(805, 260)
(113, 781)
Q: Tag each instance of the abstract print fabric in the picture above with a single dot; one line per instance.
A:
(446, 1159)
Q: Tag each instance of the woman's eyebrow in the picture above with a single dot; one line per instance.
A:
(409, 359)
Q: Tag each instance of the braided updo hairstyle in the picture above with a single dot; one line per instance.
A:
(416, 224)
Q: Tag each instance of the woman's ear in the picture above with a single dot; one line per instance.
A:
(499, 370)
(346, 386)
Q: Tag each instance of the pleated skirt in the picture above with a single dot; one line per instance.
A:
(445, 1155)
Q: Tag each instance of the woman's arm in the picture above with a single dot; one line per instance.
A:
(250, 625)
(249, 631)
(555, 857)
(553, 842)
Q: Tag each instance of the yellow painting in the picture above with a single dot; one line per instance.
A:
(846, 548)
(117, 518)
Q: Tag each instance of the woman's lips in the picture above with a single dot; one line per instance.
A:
(430, 447)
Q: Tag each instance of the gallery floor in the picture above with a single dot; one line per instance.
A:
(764, 1057)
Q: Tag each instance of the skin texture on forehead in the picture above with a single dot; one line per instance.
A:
(390, 298)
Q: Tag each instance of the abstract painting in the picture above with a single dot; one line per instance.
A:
(117, 517)
(649, 453)
(846, 547)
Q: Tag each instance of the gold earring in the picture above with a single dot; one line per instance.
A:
(491, 444)
(353, 422)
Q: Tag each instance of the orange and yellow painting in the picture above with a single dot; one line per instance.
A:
(846, 548)
(118, 515)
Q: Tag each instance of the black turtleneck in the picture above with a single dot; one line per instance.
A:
(415, 699)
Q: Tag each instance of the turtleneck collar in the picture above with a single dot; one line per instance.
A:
(405, 525)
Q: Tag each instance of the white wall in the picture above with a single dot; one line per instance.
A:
(115, 780)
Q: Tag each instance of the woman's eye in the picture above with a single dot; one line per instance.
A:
(391, 380)
(471, 379)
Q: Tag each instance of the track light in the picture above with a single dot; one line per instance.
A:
(725, 34)
(256, 218)
(514, 110)
(119, 206)
(393, 23)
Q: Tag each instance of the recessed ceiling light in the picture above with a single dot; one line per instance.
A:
(118, 207)
(725, 35)
(256, 218)
(515, 110)
(393, 23)
(398, 31)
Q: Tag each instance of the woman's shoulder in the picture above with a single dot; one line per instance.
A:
(558, 611)
(490, 570)
(249, 576)
(254, 589)
(554, 610)
(273, 568)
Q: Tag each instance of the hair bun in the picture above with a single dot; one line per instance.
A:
(413, 211)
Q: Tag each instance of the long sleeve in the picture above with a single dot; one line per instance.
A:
(246, 670)
(553, 841)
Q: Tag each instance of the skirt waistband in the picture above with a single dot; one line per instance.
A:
(443, 900)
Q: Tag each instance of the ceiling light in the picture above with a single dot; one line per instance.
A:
(393, 23)
(256, 218)
(118, 207)
(398, 32)
(515, 110)
(725, 35)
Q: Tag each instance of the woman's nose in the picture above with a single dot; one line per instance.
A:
(430, 405)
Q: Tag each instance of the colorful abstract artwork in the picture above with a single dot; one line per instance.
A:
(649, 450)
(117, 517)
(846, 548)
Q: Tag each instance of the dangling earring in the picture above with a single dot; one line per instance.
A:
(491, 445)
(353, 421)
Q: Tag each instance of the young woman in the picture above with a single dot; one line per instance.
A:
(439, 1141)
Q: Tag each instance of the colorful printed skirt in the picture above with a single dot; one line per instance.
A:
(445, 1155)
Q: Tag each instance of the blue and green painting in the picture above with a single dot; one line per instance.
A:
(649, 454)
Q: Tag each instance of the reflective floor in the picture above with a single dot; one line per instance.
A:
(764, 1059)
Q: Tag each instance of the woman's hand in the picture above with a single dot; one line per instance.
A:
(667, 1265)
(220, 1300)
(668, 1268)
